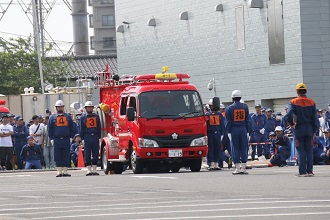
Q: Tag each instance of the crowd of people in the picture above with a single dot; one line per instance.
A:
(269, 134)
(51, 141)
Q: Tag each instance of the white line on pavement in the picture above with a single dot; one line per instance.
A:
(155, 177)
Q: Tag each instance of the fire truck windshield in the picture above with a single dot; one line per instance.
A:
(172, 104)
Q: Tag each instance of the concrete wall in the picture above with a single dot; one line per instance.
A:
(315, 31)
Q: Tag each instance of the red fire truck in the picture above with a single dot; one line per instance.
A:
(154, 122)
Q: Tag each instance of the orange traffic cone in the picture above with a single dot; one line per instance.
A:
(81, 162)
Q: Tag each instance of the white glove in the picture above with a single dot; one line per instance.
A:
(262, 131)
(221, 137)
(229, 135)
(248, 136)
(83, 142)
(52, 142)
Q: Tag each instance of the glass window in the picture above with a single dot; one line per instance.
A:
(108, 20)
(123, 104)
(240, 27)
(108, 42)
(91, 38)
(170, 104)
(91, 22)
(103, 2)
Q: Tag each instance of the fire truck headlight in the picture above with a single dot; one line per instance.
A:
(202, 141)
(147, 143)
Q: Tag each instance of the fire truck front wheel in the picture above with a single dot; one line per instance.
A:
(137, 164)
(195, 165)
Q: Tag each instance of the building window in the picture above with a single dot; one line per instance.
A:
(91, 21)
(103, 2)
(240, 27)
(90, 2)
(275, 32)
(108, 42)
(108, 20)
(91, 39)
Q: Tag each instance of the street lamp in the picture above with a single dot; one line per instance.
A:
(212, 86)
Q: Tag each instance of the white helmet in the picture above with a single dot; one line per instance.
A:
(89, 104)
(236, 94)
(59, 103)
(211, 102)
(241, 101)
(222, 106)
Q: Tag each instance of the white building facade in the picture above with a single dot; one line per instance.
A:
(263, 48)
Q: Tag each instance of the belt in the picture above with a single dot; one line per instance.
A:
(92, 134)
(214, 132)
(61, 137)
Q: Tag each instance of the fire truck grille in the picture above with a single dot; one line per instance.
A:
(169, 142)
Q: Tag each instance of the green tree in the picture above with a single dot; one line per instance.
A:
(19, 67)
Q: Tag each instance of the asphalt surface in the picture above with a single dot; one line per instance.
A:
(266, 193)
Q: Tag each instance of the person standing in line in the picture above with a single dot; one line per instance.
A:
(6, 143)
(20, 135)
(60, 130)
(48, 147)
(238, 122)
(302, 116)
(90, 133)
(36, 130)
(215, 130)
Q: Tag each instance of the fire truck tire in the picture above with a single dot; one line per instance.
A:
(195, 165)
(136, 164)
(118, 168)
(175, 169)
(105, 163)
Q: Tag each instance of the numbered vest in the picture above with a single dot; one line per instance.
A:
(91, 122)
(61, 121)
(239, 115)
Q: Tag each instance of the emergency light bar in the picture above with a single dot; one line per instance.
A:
(2, 102)
(162, 76)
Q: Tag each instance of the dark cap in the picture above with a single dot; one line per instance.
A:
(40, 117)
(10, 115)
(271, 133)
(4, 116)
(76, 135)
(278, 113)
(18, 118)
(269, 110)
(257, 106)
(29, 137)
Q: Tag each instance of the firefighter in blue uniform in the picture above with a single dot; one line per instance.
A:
(278, 118)
(20, 134)
(60, 130)
(326, 154)
(280, 148)
(327, 117)
(302, 116)
(90, 133)
(258, 121)
(238, 121)
(31, 154)
(269, 127)
(317, 152)
(215, 130)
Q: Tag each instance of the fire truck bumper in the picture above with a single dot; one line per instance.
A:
(171, 153)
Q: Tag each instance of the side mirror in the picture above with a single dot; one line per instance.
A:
(130, 114)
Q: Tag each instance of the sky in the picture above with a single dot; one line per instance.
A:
(16, 24)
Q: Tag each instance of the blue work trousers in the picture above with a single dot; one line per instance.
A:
(62, 152)
(30, 163)
(303, 143)
(239, 144)
(282, 155)
(91, 149)
(18, 148)
(214, 145)
(257, 138)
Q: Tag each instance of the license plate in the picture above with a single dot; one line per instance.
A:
(174, 153)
